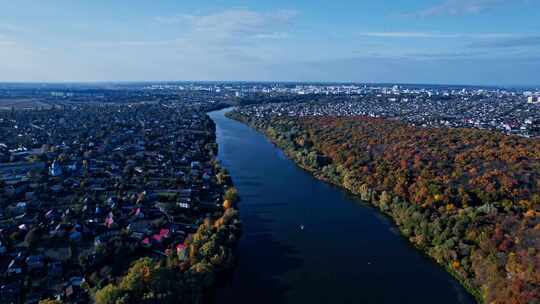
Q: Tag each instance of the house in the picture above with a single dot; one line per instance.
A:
(138, 213)
(140, 227)
(55, 269)
(50, 215)
(3, 248)
(75, 236)
(182, 252)
(109, 220)
(15, 267)
(183, 205)
(76, 281)
(58, 254)
(163, 234)
(55, 170)
(35, 262)
(10, 293)
(138, 236)
(20, 208)
(73, 293)
(195, 165)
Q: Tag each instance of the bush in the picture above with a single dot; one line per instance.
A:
(231, 195)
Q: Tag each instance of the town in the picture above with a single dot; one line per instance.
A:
(509, 112)
(87, 189)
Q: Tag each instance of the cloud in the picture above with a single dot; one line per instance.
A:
(436, 35)
(523, 41)
(273, 36)
(134, 43)
(225, 44)
(235, 23)
(450, 55)
(463, 7)
(241, 36)
(406, 35)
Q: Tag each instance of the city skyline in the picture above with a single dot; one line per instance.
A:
(468, 42)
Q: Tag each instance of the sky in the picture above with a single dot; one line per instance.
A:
(470, 42)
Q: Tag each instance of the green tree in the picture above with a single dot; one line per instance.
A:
(231, 195)
(109, 294)
(385, 199)
(49, 301)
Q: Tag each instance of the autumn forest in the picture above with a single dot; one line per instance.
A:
(468, 198)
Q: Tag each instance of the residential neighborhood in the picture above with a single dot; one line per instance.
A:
(85, 190)
(509, 112)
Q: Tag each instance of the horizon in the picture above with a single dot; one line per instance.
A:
(133, 82)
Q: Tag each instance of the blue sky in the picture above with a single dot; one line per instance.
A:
(425, 41)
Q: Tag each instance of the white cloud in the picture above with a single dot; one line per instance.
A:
(234, 24)
(273, 36)
(135, 43)
(463, 7)
(407, 35)
(437, 35)
(509, 42)
(231, 37)
(226, 44)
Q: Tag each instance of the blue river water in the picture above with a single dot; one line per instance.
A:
(305, 241)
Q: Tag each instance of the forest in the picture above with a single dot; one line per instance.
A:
(468, 198)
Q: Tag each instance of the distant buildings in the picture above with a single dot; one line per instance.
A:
(533, 99)
(483, 109)
(55, 170)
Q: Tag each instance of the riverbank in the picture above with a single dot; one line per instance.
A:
(388, 205)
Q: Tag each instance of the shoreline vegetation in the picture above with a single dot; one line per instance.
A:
(465, 198)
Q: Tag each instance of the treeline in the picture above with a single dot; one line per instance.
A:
(468, 198)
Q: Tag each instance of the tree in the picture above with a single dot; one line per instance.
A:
(223, 178)
(109, 294)
(49, 301)
(140, 275)
(231, 195)
(204, 273)
(385, 199)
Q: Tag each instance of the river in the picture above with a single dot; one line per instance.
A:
(347, 252)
